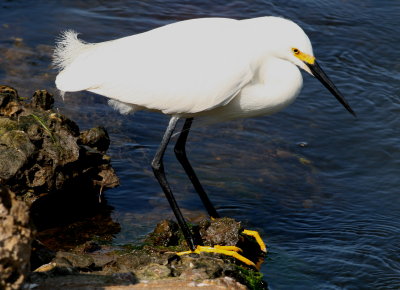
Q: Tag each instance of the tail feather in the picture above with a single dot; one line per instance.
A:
(67, 48)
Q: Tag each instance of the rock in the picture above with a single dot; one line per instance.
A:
(42, 99)
(61, 173)
(4, 97)
(90, 247)
(127, 262)
(40, 254)
(16, 234)
(152, 264)
(46, 163)
(45, 159)
(9, 101)
(154, 271)
(58, 234)
(7, 125)
(223, 232)
(126, 281)
(15, 150)
(165, 234)
(96, 138)
(80, 261)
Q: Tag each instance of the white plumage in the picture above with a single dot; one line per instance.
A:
(215, 68)
(219, 67)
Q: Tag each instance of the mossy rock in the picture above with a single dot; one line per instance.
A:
(7, 124)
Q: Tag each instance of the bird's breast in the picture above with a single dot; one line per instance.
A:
(275, 85)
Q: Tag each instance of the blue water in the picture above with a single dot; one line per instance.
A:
(320, 186)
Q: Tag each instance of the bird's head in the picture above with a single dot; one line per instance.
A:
(292, 44)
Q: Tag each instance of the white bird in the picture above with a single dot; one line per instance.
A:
(217, 69)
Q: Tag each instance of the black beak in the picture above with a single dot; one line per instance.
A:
(323, 78)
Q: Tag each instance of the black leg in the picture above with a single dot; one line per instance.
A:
(158, 169)
(180, 153)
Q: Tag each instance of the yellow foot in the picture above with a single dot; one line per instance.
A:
(256, 235)
(224, 250)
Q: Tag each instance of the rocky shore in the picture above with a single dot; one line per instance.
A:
(56, 226)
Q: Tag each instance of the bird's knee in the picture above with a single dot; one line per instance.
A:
(156, 165)
(179, 151)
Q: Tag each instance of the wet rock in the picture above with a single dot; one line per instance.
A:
(154, 262)
(80, 261)
(96, 138)
(223, 232)
(165, 234)
(10, 103)
(46, 162)
(151, 265)
(72, 231)
(15, 150)
(16, 234)
(40, 254)
(61, 172)
(4, 97)
(154, 272)
(43, 160)
(90, 247)
(128, 261)
(129, 281)
(7, 125)
(18, 140)
(42, 99)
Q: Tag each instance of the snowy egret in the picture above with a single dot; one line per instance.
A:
(216, 69)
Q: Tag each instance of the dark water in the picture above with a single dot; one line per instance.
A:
(329, 211)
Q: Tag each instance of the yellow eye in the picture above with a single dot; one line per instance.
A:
(295, 51)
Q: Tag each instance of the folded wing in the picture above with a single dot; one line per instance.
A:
(185, 67)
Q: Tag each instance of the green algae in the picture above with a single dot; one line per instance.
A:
(251, 278)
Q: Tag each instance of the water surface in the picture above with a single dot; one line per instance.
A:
(320, 186)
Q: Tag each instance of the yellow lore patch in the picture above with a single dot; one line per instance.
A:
(303, 56)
